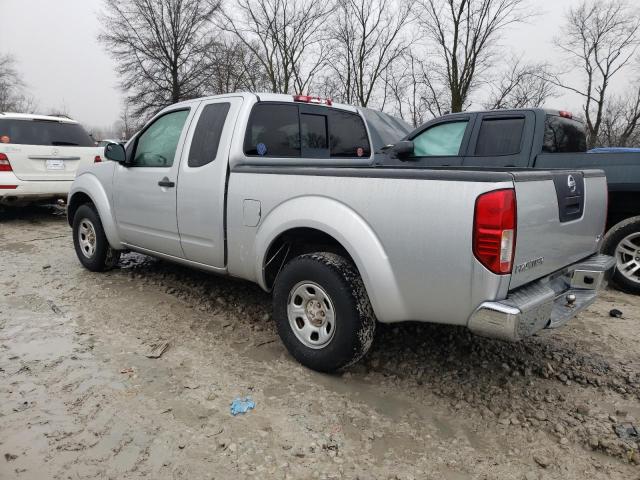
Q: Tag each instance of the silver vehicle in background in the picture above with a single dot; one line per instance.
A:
(307, 199)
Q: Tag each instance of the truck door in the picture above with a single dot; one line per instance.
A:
(501, 139)
(203, 178)
(144, 193)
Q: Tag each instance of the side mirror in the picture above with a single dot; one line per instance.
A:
(402, 149)
(115, 152)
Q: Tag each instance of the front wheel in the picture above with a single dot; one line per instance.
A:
(623, 243)
(91, 244)
(322, 311)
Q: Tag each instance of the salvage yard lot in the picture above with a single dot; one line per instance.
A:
(79, 398)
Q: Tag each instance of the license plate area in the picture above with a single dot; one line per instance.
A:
(54, 164)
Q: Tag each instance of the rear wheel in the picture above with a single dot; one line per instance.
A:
(91, 244)
(623, 243)
(322, 311)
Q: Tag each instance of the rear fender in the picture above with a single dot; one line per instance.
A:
(89, 185)
(352, 232)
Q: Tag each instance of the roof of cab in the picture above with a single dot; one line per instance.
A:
(29, 116)
(507, 111)
(266, 97)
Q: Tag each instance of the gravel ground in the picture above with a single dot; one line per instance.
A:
(79, 398)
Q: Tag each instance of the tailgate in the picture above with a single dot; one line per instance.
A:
(561, 218)
(41, 162)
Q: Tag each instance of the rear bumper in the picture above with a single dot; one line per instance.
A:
(14, 191)
(547, 303)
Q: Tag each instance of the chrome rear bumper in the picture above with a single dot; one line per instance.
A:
(547, 303)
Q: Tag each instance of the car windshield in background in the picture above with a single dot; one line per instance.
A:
(44, 132)
(563, 135)
(384, 129)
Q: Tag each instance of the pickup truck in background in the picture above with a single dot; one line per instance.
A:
(300, 196)
(540, 139)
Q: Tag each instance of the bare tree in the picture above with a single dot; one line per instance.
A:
(12, 88)
(521, 85)
(414, 95)
(284, 36)
(464, 34)
(601, 38)
(161, 48)
(234, 67)
(128, 123)
(621, 122)
(367, 38)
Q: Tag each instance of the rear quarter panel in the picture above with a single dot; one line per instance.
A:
(410, 238)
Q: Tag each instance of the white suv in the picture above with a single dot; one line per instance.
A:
(39, 157)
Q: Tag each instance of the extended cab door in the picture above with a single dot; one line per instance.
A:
(144, 193)
(501, 139)
(202, 181)
(441, 143)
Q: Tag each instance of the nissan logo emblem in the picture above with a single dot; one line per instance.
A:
(571, 183)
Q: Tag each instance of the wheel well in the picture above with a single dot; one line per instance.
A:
(294, 242)
(76, 201)
(622, 205)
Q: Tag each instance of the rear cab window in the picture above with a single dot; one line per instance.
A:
(303, 131)
(43, 132)
(563, 135)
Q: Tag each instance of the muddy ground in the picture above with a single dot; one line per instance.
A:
(79, 398)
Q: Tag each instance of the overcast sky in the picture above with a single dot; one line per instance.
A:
(63, 64)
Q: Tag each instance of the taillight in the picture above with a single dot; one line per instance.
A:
(494, 230)
(565, 114)
(97, 159)
(5, 166)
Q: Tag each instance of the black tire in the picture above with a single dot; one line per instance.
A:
(354, 318)
(103, 257)
(613, 238)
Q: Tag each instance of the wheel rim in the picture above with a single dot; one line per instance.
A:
(311, 314)
(87, 238)
(628, 257)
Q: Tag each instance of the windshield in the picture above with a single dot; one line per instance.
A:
(384, 129)
(43, 132)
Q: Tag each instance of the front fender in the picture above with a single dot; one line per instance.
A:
(89, 185)
(352, 232)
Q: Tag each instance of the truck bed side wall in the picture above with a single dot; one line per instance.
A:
(410, 238)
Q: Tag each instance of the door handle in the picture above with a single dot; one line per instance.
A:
(165, 182)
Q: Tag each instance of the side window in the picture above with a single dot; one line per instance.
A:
(206, 137)
(440, 140)
(347, 135)
(273, 131)
(156, 146)
(499, 136)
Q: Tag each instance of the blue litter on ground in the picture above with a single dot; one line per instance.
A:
(242, 405)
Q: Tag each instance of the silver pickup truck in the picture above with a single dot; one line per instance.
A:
(298, 195)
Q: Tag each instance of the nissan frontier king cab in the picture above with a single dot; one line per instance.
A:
(299, 195)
